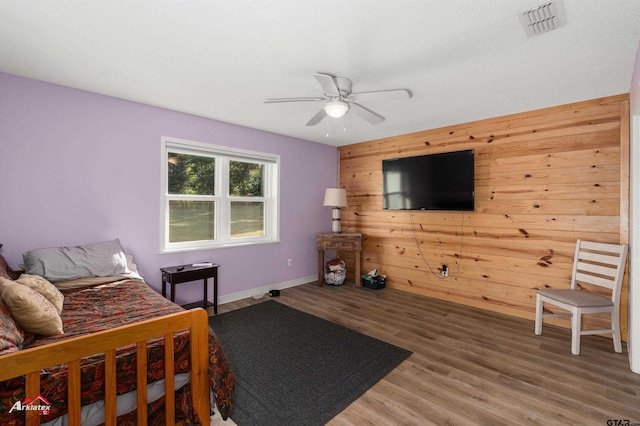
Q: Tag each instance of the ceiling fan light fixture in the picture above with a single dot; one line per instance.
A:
(336, 109)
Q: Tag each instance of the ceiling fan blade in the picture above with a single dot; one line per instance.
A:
(280, 100)
(366, 114)
(381, 95)
(328, 84)
(317, 118)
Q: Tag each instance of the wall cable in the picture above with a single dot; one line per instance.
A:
(459, 261)
(415, 238)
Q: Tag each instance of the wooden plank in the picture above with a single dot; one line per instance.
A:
(169, 379)
(512, 238)
(492, 131)
(553, 158)
(32, 390)
(537, 142)
(470, 220)
(555, 191)
(545, 207)
(110, 389)
(74, 404)
(471, 138)
(199, 350)
(371, 183)
(534, 143)
(141, 381)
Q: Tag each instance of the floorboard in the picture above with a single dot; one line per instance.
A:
(470, 366)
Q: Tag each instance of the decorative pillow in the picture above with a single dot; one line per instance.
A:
(30, 309)
(69, 263)
(45, 288)
(11, 336)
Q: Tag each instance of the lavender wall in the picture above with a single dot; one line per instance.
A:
(78, 168)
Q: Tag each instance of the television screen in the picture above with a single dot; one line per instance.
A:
(429, 182)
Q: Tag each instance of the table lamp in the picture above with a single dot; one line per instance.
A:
(336, 198)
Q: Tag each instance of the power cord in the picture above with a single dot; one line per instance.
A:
(459, 261)
(415, 238)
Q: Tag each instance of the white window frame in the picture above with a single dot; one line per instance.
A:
(222, 199)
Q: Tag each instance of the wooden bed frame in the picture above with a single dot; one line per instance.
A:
(30, 362)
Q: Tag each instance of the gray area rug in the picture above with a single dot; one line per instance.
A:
(293, 368)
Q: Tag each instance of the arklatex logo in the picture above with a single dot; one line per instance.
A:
(39, 403)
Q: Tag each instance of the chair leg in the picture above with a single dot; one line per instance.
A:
(576, 327)
(615, 326)
(539, 309)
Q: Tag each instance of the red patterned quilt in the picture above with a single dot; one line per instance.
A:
(107, 306)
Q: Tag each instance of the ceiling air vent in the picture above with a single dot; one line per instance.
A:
(541, 19)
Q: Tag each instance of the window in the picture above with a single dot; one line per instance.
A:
(215, 196)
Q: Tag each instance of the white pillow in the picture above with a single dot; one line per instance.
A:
(69, 263)
(131, 264)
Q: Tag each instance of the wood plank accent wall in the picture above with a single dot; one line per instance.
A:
(542, 179)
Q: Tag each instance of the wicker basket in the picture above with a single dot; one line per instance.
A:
(335, 271)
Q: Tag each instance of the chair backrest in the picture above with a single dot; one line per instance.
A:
(600, 264)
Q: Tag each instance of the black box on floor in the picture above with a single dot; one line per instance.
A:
(374, 283)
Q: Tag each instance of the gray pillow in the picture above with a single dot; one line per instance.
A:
(68, 263)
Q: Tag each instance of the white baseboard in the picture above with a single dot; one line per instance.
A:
(227, 298)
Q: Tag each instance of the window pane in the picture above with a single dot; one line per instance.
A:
(247, 219)
(245, 179)
(191, 221)
(190, 174)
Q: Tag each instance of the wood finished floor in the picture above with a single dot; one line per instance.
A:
(472, 367)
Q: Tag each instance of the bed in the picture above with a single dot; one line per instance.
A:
(111, 357)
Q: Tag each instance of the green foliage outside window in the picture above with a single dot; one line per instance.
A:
(191, 174)
(245, 179)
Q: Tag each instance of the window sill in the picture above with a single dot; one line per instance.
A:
(218, 246)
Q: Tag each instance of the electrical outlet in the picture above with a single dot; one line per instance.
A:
(289, 262)
(445, 270)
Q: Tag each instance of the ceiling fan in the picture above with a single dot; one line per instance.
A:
(338, 99)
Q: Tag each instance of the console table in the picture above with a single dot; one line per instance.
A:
(340, 242)
(186, 273)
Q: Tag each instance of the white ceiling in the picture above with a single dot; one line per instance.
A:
(462, 60)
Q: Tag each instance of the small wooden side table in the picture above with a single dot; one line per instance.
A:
(186, 273)
(340, 242)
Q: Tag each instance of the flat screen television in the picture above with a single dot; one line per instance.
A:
(442, 181)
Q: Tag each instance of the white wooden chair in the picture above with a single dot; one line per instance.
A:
(597, 264)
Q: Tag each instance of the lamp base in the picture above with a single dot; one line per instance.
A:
(336, 225)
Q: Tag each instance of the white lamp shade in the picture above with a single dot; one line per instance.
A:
(335, 197)
(336, 109)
